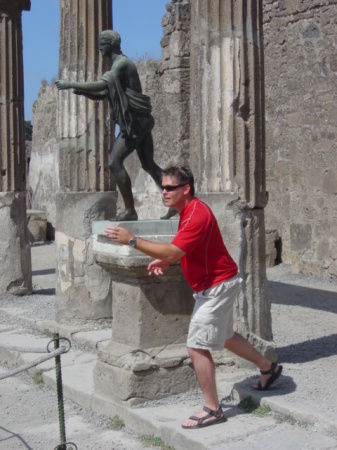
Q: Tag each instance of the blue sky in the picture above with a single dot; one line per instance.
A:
(137, 21)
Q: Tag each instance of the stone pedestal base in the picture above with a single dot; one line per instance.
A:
(131, 376)
(147, 357)
(83, 289)
(15, 259)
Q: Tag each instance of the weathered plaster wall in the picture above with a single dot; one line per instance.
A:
(300, 72)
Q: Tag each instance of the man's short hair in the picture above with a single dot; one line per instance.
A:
(112, 37)
(182, 174)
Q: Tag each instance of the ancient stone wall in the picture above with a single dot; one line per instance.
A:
(300, 72)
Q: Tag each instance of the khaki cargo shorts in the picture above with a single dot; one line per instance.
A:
(212, 317)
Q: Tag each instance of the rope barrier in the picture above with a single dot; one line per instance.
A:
(34, 363)
(23, 349)
(58, 350)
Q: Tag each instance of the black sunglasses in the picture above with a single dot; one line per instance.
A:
(172, 188)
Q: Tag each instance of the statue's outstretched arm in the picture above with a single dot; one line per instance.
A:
(95, 97)
(93, 87)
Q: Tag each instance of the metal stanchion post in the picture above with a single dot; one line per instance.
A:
(59, 389)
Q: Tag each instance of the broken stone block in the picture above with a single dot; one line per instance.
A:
(37, 225)
(133, 388)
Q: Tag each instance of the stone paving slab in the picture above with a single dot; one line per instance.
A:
(77, 382)
(93, 339)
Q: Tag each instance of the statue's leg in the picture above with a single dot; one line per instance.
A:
(120, 151)
(145, 153)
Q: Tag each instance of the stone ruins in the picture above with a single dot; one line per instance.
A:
(299, 65)
(244, 94)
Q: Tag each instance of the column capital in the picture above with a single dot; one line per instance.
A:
(14, 6)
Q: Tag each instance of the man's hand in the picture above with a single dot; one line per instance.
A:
(157, 267)
(118, 234)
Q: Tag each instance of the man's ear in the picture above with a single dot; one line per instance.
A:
(187, 189)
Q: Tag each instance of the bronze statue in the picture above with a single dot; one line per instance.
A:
(131, 111)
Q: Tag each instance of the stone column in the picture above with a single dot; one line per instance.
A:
(15, 260)
(86, 131)
(228, 142)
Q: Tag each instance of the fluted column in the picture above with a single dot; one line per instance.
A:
(83, 289)
(15, 275)
(228, 140)
(85, 126)
(228, 104)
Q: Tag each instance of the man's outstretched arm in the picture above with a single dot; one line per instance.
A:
(165, 252)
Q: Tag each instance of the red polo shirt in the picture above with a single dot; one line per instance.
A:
(207, 261)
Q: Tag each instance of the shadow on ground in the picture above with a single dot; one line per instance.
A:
(43, 272)
(307, 351)
(13, 435)
(288, 294)
(50, 291)
(284, 385)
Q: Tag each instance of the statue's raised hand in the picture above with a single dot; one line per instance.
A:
(62, 84)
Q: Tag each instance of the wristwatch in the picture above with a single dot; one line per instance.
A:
(133, 241)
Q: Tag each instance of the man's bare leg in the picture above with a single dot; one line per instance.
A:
(241, 347)
(205, 371)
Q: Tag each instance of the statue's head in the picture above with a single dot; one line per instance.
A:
(112, 38)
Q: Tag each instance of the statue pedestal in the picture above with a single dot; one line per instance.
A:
(147, 357)
(83, 289)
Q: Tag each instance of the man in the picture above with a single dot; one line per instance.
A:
(212, 273)
(131, 111)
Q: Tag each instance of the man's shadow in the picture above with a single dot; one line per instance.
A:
(283, 385)
(236, 404)
(302, 352)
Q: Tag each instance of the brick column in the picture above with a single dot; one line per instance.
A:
(15, 276)
(228, 142)
(83, 289)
